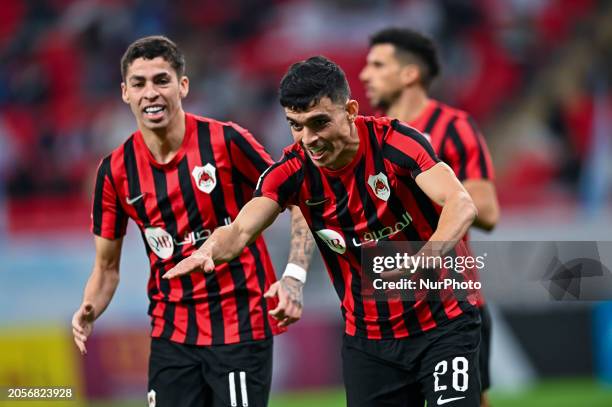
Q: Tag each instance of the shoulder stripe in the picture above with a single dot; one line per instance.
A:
(103, 171)
(401, 159)
(233, 135)
(413, 134)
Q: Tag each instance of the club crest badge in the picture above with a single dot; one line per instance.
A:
(205, 178)
(380, 186)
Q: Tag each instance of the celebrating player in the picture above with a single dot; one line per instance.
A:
(352, 176)
(179, 176)
(401, 65)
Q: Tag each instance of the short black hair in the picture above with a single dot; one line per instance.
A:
(415, 46)
(307, 82)
(152, 47)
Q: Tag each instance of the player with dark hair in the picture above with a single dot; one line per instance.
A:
(352, 176)
(178, 177)
(400, 68)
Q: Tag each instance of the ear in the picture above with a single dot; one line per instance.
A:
(410, 74)
(183, 87)
(124, 94)
(352, 109)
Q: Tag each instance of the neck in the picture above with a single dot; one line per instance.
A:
(409, 105)
(165, 143)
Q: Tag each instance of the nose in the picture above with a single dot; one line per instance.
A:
(363, 75)
(150, 91)
(309, 137)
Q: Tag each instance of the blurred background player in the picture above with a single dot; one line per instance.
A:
(179, 176)
(400, 67)
(351, 176)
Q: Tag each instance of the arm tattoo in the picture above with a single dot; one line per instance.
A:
(293, 288)
(302, 242)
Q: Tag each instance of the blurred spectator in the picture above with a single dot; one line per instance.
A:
(59, 83)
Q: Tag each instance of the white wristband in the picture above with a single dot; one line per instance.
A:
(295, 271)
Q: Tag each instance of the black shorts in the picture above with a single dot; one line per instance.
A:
(485, 348)
(440, 366)
(203, 376)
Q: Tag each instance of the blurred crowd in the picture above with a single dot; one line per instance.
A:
(534, 73)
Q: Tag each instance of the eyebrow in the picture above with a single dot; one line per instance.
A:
(138, 78)
(311, 118)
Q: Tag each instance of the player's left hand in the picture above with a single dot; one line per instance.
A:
(290, 300)
(199, 261)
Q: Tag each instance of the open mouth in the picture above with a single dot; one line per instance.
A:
(154, 111)
(317, 152)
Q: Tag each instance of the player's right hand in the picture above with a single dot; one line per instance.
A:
(198, 261)
(82, 325)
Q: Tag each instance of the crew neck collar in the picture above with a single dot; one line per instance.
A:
(425, 114)
(189, 127)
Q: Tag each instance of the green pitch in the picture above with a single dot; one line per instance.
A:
(562, 393)
(557, 393)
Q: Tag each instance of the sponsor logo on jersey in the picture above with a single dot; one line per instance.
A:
(205, 177)
(385, 232)
(380, 186)
(333, 239)
(162, 243)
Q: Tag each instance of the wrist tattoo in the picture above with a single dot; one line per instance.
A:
(302, 242)
(293, 288)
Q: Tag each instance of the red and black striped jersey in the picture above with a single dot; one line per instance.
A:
(177, 206)
(356, 204)
(456, 139)
(458, 142)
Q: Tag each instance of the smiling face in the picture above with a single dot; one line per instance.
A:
(326, 132)
(154, 92)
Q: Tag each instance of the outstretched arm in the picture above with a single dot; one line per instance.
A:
(227, 242)
(458, 211)
(99, 289)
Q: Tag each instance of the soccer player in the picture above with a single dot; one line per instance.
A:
(353, 176)
(401, 65)
(178, 177)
